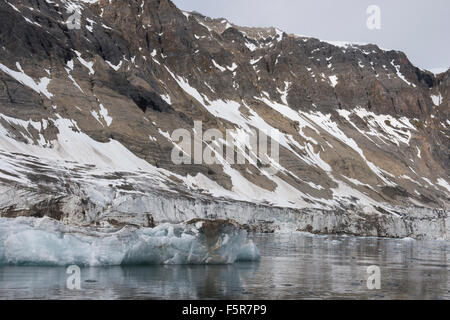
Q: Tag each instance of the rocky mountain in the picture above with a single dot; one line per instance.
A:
(91, 92)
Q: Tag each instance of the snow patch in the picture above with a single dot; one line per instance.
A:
(104, 113)
(443, 183)
(437, 99)
(400, 75)
(88, 65)
(115, 67)
(250, 46)
(233, 67)
(218, 66)
(333, 80)
(23, 78)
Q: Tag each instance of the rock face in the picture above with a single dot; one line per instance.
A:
(87, 116)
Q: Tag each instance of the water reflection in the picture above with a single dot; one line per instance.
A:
(139, 282)
(293, 266)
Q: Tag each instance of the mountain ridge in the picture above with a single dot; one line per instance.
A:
(360, 127)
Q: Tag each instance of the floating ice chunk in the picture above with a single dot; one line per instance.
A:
(248, 252)
(30, 241)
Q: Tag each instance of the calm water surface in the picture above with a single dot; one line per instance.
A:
(292, 266)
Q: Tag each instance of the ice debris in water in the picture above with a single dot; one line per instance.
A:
(43, 241)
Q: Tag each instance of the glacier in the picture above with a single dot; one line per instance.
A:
(47, 242)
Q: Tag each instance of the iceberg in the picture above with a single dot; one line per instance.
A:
(44, 241)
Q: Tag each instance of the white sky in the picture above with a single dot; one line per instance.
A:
(419, 28)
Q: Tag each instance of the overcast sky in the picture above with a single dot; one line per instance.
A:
(419, 28)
